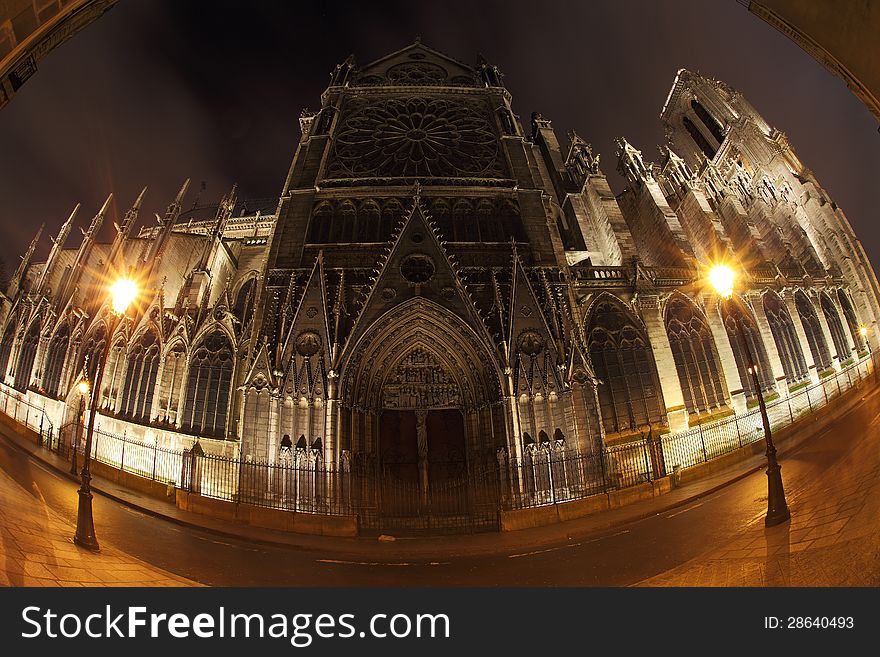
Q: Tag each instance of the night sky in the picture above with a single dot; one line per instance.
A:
(155, 92)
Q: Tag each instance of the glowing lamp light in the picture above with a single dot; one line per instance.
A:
(83, 387)
(721, 277)
(863, 331)
(122, 293)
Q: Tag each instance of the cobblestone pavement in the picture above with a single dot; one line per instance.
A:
(37, 549)
(833, 538)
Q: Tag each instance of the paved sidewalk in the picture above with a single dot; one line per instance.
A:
(37, 549)
(832, 539)
(752, 552)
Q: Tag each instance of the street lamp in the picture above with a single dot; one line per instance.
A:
(83, 388)
(722, 279)
(122, 293)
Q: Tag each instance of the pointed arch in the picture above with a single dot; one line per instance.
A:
(209, 386)
(785, 336)
(852, 320)
(622, 360)
(56, 357)
(742, 330)
(835, 326)
(6, 347)
(695, 355)
(243, 306)
(813, 330)
(26, 355)
(140, 377)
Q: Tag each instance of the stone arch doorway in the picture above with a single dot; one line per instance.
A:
(420, 388)
(422, 442)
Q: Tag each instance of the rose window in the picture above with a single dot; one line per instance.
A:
(402, 137)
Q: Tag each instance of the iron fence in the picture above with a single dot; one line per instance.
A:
(15, 405)
(547, 473)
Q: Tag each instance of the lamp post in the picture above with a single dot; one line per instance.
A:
(83, 388)
(722, 279)
(122, 293)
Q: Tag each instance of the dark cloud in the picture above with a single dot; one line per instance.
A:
(155, 92)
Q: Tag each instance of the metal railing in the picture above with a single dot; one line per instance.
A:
(471, 498)
(14, 404)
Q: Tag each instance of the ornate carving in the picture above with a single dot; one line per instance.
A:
(420, 381)
(416, 73)
(308, 343)
(530, 343)
(417, 268)
(416, 136)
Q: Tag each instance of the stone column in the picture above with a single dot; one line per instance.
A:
(676, 413)
(812, 368)
(422, 440)
(735, 386)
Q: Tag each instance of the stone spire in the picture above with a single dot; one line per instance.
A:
(82, 256)
(166, 223)
(57, 245)
(630, 163)
(123, 230)
(15, 281)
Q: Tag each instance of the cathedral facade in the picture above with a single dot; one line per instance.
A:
(439, 289)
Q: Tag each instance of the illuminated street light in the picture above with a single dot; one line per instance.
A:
(722, 279)
(83, 388)
(122, 293)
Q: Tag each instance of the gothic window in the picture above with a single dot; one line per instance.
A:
(835, 326)
(464, 222)
(708, 120)
(368, 222)
(695, 357)
(344, 219)
(140, 378)
(392, 211)
(698, 137)
(172, 375)
(742, 331)
(319, 230)
(26, 356)
(55, 358)
(415, 137)
(785, 337)
(441, 215)
(208, 387)
(6, 348)
(93, 351)
(815, 338)
(244, 301)
(629, 393)
(489, 223)
(851, 320)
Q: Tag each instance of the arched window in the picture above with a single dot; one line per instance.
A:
(698, 137)
(170, 389)
(490, 226)
(92, 352)
(319, 228)
(208, 387)
(6, 348)
(835, 326)
(785, 336)
(368, 222)
(55, 359)
(392, 211)
(511, 221)
(26, 356)
(441, 215)
(851, 320)
(464, 221)
(343, 223)
(629, 393)
(742, 331)
(813, 329)
(695, 357)
(708, 120)
(244, 301)
(140, 378)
